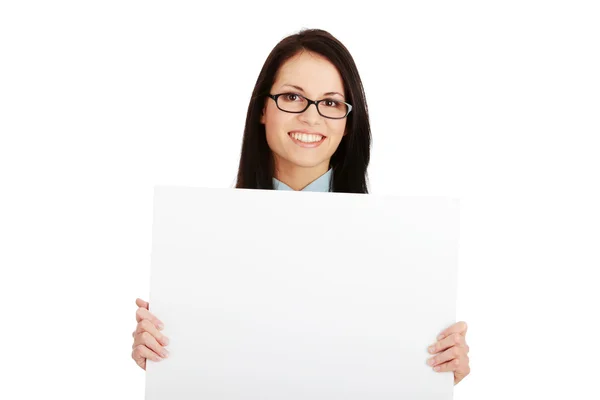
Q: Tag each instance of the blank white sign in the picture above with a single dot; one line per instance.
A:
(277, 295)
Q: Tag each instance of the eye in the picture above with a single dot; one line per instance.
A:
(291, 97)
(331, 103)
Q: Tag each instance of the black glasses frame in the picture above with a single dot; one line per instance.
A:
(309, 102)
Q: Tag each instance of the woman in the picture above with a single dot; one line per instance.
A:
(290, 145)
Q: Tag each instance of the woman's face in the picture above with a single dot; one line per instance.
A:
(305, 140)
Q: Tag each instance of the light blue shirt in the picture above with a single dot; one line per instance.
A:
(321, 184)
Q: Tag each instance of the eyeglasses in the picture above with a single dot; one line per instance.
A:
(297, 104)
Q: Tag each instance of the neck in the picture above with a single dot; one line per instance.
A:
(297, 177)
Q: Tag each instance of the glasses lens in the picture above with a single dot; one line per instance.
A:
(333, 108)
(291, 102)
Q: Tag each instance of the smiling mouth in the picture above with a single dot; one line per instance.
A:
(307, 138)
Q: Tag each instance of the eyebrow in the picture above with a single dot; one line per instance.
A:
(302, 90)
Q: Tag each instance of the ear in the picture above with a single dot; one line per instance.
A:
(262, 115)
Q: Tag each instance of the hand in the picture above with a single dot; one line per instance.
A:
(454, 357)
(148, 341)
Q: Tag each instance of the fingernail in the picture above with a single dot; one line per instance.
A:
(431, 361)
(165, 353)
(166, 340)
(437, 369)
(440, 336)
(432, 349)
(160, 325)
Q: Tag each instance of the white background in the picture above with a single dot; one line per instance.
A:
(495, 104)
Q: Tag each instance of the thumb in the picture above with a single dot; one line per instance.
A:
(141, 303)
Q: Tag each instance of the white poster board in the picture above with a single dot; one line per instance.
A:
(280, 295)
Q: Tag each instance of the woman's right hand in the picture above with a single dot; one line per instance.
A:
(148, 341)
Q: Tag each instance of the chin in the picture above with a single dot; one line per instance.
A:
(304, 163)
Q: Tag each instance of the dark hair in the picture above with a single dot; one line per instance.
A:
(350, 161)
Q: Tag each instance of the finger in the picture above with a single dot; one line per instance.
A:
(448, 355)
(454, 365)
(142, 313)
(146, 326)
(141, 353)
(149, 341)
(455, 339)
(140, 361)
(459, 327)
(142, 303)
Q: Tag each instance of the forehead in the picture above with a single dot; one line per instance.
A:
(311, 71)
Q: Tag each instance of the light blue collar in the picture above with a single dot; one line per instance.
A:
(321, 184)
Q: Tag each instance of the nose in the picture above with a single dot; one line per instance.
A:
(311, 115)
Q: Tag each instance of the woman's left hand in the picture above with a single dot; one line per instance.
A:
(451, 351)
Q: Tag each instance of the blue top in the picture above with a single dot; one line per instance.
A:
(321, 184)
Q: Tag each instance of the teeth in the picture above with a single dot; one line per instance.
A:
(306, 138)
